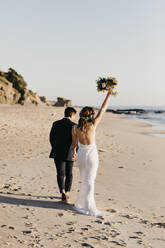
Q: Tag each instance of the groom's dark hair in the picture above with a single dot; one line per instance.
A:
(69, 111)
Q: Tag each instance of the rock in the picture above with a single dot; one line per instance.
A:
(134, 111)
(5, 186)
(8, 95)
(43, 99)
(15, 188)
(62, 102)
(126, 111)
(30, 97)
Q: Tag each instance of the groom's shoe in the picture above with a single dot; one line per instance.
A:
(63, 197)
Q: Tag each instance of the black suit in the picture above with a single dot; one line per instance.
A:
(61, 140)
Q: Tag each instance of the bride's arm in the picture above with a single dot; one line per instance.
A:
(74, 141)
(102, 109)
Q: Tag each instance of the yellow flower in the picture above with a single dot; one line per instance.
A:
(115, 81)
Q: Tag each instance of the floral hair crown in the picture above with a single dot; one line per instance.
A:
(87, 117)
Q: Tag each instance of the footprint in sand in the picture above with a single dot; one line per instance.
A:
(11, 227)
(86, 245)
(119, 243)
(84, 228)
(158, 224)
(145, 222)
(26, 232)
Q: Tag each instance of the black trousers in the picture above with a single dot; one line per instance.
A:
(64, 174)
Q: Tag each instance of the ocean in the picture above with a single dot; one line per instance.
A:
(154, 116)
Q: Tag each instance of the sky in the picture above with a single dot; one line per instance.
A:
(62, 47)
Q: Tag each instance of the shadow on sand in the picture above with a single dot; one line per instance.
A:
(35, 203)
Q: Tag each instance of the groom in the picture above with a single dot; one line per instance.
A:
(61, 140)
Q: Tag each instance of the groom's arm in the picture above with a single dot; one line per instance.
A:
(52, 135)
(74, 142)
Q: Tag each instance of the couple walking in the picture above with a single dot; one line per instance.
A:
(72, 141)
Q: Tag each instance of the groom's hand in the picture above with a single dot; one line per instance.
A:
(74, 156)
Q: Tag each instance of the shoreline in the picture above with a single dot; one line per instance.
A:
(154, 116)
(156, 130)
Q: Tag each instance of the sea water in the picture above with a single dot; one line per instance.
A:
(154, 116)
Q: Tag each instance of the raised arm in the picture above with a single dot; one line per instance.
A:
(102, 109)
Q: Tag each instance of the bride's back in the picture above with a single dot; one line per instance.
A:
(87, 136)
(85, 130)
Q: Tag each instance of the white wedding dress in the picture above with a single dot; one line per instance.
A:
(87, 159)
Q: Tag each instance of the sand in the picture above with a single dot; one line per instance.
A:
(129, 185)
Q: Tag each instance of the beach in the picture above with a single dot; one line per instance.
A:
(129, 186)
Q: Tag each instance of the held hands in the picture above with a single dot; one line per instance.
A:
(74, 156)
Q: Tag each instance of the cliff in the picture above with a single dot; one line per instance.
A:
(13, 89)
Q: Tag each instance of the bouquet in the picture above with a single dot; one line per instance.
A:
(106, 84)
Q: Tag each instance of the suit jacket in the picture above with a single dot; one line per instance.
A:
(61, 138)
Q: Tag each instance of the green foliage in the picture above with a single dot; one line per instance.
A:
(17, 80)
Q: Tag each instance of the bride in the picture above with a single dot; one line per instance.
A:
(87, 157)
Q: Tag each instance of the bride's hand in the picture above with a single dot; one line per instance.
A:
(110, 92)
(74, 156)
